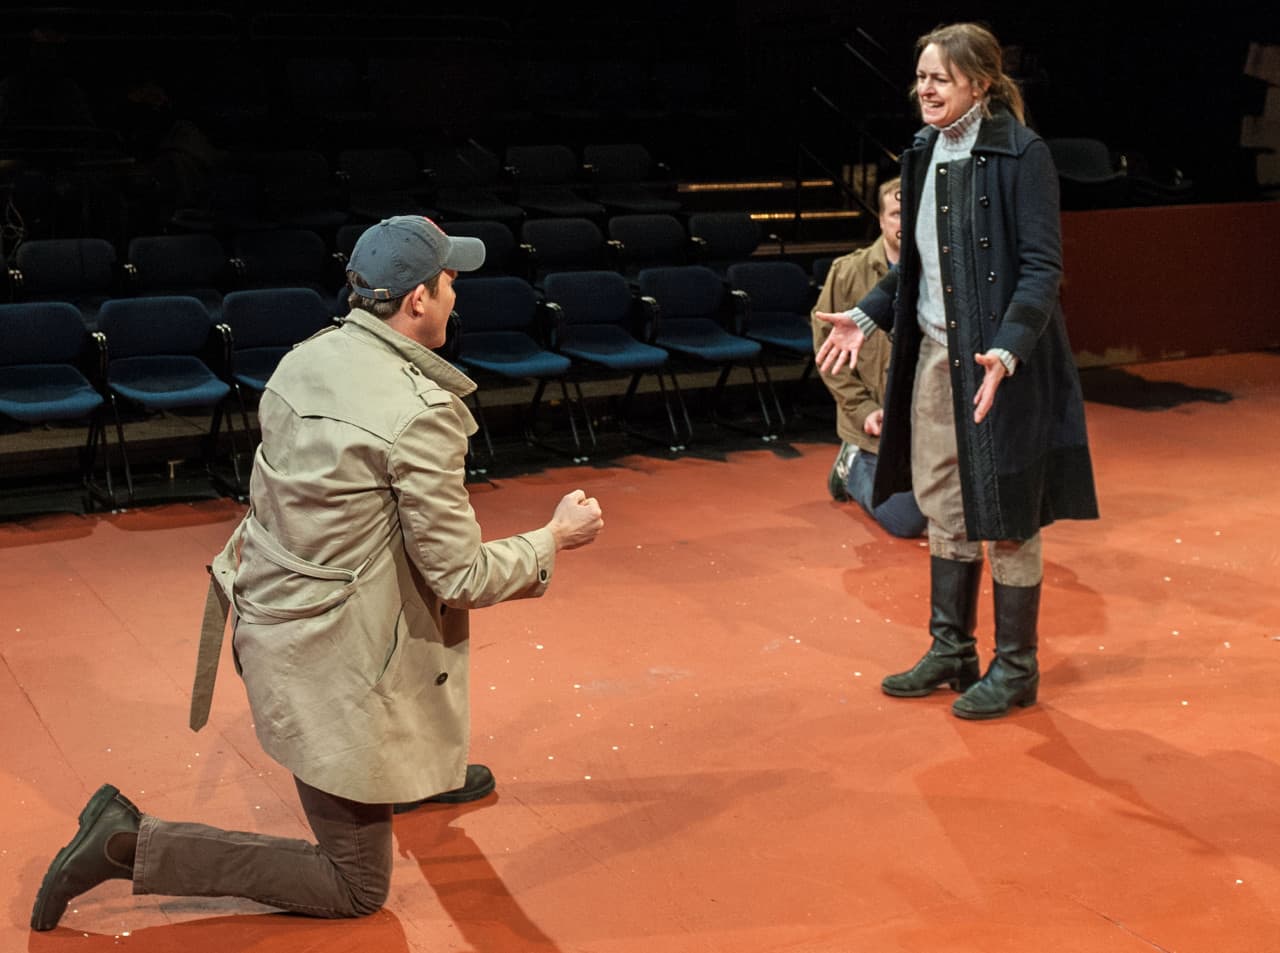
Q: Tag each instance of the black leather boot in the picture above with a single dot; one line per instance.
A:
(91, 857)
(953, 657)
(1014, 675)
(479, 783)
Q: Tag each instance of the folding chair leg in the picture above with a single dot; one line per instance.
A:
(773, 396)
(244, 410)
(237, 486)
(717, 392)
(531, 414)
(586, 415)
(770, 433)
(684, 409)
(531, 425)
(572, 406)
(676, 444)
(98, 437)
(124, 450)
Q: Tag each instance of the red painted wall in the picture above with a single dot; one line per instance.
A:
(1144, 284)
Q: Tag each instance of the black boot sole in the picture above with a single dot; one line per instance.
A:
(1026, 701)
(955, 684)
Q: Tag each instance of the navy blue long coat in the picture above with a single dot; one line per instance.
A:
(1027, 464)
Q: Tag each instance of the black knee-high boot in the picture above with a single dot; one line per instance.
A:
(1014, 675)
(953, 657)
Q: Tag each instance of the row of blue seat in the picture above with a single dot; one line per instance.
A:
(591, 323)
(159, 354)
(155, 353)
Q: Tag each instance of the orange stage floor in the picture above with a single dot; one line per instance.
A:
(692, 750)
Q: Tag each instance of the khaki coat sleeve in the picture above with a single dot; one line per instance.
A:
(442, 536)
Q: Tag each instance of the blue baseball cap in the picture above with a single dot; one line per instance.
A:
(402, 252)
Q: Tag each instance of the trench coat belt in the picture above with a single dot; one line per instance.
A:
(222, 599)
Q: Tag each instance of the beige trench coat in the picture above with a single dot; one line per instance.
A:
(358, 561)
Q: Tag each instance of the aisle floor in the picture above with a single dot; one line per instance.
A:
(692, 750)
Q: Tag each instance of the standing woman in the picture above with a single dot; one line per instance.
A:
(984, 417)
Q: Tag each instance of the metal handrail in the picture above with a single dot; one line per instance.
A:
(871, 67)
(858, 125)
(845, 189)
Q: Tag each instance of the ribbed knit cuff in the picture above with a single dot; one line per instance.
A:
(1006, 358)
(862, 320)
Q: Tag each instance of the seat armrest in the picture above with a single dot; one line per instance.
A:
(650, 317)
(616, 253)
(741, 310)
(219, 350)
(551, 324)
(95, 361)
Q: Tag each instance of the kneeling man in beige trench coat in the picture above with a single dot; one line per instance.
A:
(348, 583)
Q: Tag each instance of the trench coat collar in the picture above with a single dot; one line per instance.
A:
(431, 364)
(998, 134)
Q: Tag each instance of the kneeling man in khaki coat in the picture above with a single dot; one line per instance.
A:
(349, 583)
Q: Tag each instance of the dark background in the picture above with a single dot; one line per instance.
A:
(1165, 84)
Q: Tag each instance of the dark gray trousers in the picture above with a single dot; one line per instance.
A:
(346, 873)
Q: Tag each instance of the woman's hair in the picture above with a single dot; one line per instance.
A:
(973, 50)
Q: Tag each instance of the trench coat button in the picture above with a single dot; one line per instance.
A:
(956, 362)
(945, 209)
(942, 170)
(991, 315)
(991, 277)
(951, 324)
(442, 678)
(946, 249)
(542, 575)
(982, 160)
(984, 201)
(984, 242)
(947, 289)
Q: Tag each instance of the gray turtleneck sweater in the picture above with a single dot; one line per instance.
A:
(954, 142)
